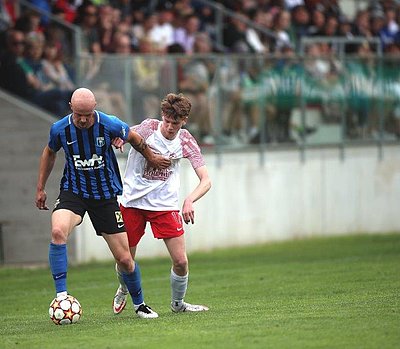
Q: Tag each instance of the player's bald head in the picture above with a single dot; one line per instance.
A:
(83, 99)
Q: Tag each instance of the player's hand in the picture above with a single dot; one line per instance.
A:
(188, 212)
(118, 143)
(159, 161)
(40, 201)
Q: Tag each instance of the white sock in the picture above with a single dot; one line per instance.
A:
(179, 286)
(64, 293)
(136, 306)
(121, 279)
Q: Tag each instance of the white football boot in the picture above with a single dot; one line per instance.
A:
(145, 312)
(119, 301)
(187, 307)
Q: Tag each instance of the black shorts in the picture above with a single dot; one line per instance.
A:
(105, 214)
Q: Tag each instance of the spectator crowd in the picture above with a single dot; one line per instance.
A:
(35, 54)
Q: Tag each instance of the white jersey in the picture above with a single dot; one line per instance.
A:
(154, 189)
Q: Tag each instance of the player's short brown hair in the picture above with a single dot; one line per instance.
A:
(177, 106)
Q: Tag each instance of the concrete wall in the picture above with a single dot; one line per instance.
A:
(24, 131)
(284, 199)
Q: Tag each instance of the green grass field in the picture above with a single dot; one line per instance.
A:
(339, 292)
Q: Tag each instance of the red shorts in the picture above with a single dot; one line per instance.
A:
(164, 224)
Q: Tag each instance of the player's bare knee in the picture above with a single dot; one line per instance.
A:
(181, 265)
(125, 263)
(58, 236)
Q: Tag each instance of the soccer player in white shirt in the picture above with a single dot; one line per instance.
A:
(151, 195)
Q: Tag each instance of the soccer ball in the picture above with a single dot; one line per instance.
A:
(65, 310)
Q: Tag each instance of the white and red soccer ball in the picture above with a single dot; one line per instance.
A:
(65, 310)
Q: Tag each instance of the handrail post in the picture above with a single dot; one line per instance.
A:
(219, 25)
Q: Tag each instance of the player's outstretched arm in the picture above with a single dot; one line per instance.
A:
(47, 161)
(140, 145)
(201, 189)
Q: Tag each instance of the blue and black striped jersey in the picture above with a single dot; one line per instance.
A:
(91, 169)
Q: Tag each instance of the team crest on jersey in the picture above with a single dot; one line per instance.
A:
(100, 141)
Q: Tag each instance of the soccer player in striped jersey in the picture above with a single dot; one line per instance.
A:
(151, 195)
(91, 183)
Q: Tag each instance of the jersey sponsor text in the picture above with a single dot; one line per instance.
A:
(94, 163)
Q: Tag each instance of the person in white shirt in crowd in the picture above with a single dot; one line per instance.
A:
(163, 32)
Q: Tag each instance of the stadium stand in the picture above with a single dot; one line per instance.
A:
(87, 32)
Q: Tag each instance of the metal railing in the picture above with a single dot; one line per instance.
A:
(341, 43)
(260, 102)
(71, 29)
(222, 12)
